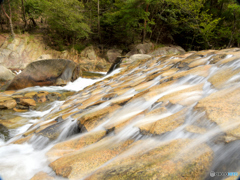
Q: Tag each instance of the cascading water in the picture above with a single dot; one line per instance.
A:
(159, 93)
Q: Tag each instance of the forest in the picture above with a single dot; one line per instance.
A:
(192, 24)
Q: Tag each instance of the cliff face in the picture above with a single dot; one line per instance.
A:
(17, 53)
(24, 49)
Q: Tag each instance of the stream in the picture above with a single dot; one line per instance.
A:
(23, 161)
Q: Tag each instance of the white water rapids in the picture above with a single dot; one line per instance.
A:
(22, 161)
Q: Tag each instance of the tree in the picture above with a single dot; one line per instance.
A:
(34, 9)
(9, 17)
(24, 16)
(128, 19)
(66, 18)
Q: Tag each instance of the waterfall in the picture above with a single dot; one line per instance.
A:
(135, 112)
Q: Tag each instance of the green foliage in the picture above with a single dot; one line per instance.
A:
(127, 20)
(34, 8)
(65, 17)
(158, 46)
(192, 24)
(79, 47)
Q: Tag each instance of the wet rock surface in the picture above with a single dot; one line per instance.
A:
(4, 133)
(162, 117)
(76, 166)
(42, 175)
(163, 162)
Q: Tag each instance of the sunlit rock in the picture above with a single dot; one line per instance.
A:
(195, 129)
(169, 72)
(222, 77)
(184, 95)
(22, 140)
(13, 122)
(28, 102)
(83, 162)
(70, 146)
(161, 124)
(90, 120)
(222, 107)
(216, 58)
(30, 94)
(7, 103)
(42, 175)
(169, 160)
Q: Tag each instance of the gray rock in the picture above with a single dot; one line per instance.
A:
(112, 54)
(141, 49)
(45, 56)
(20, 47)
(12, 46)
(45, 73)
(89, 53)
(136, 57)
(167, 50)
(4, 53)
(13, 60)
(6, 74)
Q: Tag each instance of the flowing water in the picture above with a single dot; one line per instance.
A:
(22, 161)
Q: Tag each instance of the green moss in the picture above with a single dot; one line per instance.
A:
(91, 75)
(79, 47)
(158, 46)
(10, 39)
(30, 38)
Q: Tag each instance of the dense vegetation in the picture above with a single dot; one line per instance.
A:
(192, 24)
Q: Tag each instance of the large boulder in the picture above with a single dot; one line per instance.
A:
(89, 53)
(45, 73)
(112, 54)
(6, 74)
(136, 57)
(167, 50)
(141, 49)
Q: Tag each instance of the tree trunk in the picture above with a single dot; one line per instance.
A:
(9, 18)
(99, 34)
(34, 22)
(145, 26)
(24, 16)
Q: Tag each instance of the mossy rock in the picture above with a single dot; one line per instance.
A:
(91, 75)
